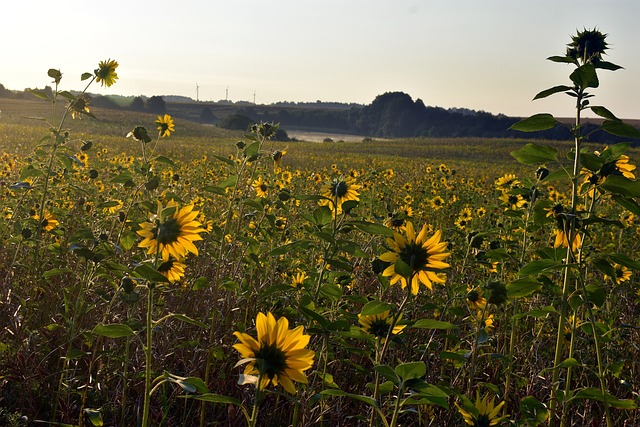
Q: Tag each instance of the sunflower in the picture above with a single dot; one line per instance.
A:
(437, 203)
(165, 125)
(623, 274)
(172, 269)
(106, 72)
(49, 222)
(475, 299)
(378, 324)
(507, 182)
(277, 157)
(298, 279)
(425, 256)
(513, 201)
(278, 356)
(339, 191)
(260, 187)
(171, 231)
(482, 413)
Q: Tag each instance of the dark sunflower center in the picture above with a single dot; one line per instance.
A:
(168, 231)
(339, 189)
(165, 267)
(415, 256)
(263, 187)
(483, 421)
(513, 199)
(379, 328)
(473, 296)
(272, 360)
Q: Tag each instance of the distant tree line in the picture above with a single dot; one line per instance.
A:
(397, 115)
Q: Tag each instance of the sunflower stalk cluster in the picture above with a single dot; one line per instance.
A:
(592, 176)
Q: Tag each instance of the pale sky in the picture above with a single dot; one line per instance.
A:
(481, 54)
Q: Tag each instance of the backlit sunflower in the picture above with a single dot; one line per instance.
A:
(425, 256)
(339, 191)
(49, 222)
(278, 356)
(475, 299)
(378, 324)
(106, 72)
(165, 125)
(172, 269)
(507, 182)
(623, 274)
(513, 201)
(171, 231)
(482, 413)
(437, 202)
(298, 279)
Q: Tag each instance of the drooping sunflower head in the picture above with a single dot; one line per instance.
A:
(424, 256)
(278, 355)
(587, 46)
(106, 72)
(165, 125)
(171, 231)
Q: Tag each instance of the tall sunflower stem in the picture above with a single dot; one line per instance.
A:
(474, 350)
(256, 404)
(380, 354)
(148, 350)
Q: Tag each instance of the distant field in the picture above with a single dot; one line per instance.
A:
(321, 136)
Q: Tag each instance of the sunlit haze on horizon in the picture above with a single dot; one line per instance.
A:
(485, 55)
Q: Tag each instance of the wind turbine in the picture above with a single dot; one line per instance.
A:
(197, 92)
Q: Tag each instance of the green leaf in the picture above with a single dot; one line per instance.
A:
(596, 294)
(605, 65)
(298, 245)
(532, 153)
(373, 228)
(331, 291)
(252, 149)
(403, 269)
(388, 373)
(625, 260)
(523, 287)
(619, 128)
(85, 76)
(200, 283)
(94, 417)
(122, 178)
(534, 412)
(229, 182)
(147, 272)
(56, 272)
(538, 266)
(216, 398)
(551, 91)
(375, 307)
(537, 122)
(165, 160)
(226, 160)
(40, 94)
(433, 324)
(188, 384)
(592, 393)
(621, 185)
(569, 362)
(603, 112)
(585, 76)
(113, 330)
(336, 392)
(556, 175)
(411, 370)
(563, 59)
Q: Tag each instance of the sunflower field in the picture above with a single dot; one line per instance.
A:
(167, 273)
